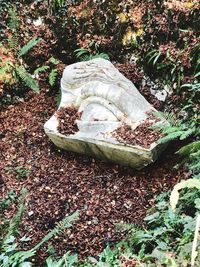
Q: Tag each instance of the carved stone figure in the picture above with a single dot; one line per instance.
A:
(106, 101)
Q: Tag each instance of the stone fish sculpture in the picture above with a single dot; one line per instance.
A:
(106, 100)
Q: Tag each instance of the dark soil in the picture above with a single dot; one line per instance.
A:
(61, 182)
(67, 120)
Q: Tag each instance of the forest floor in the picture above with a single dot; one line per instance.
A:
(61, 182)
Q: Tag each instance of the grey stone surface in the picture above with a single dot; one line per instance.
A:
(107, 100)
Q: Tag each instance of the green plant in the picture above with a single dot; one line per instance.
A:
(13, 69)
(84, 55)
(13, 226)
(22, 172)
(173, 128)
(21, 74)
(52, 76)
(11, 255)
(191, 153)
(66, 260)
(13, 22)
(27, 47)
(17, 69)
(165, 66)
(7, 200)
(183, 129)
(190, 183)
(55, 5)
(166, 236)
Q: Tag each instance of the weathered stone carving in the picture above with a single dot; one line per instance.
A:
(106, 101)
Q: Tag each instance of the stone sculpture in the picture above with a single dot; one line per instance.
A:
(105, 101)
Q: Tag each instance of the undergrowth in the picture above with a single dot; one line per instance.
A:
(164, 35)
(12, 255)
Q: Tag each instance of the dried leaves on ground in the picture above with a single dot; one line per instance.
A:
(143, 135)
(61, 182)
(67, 117)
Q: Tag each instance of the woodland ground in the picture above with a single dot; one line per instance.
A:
(60, 182)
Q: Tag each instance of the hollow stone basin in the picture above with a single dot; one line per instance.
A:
(106, 100)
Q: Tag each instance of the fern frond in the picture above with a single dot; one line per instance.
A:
(90, 57)
(5, 68)
(13, 19)
(27, 79)
(13, 226)
(80, 52)
(41, 69)
(191, 153)
(169, 137)
(190, 148)
(13, 42)
(84, 55)
(166, 116)
(65, 223)
(52, 76)
(187, 133)
(100, 55)
(190, 183)
(25, 49)
(54, 61)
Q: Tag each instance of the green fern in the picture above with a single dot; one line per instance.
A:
(56, 5)
(52, 76)
(173, 128)
(195, 87)
(54, 61)
(13, 42)
(191, 152)
(65, 223)
(13, 226)
(67, 260)
(41, 69)
(27, 79)
(6, 68)
(25, 49)
(97, 55)
(11, 256)
(84, 55)
(13, 19)
(190, 183)
(169, 117)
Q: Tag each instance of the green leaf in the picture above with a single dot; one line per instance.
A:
(25, 264)
(169, 137)
(54, 60)
(41, 69)
(190, 183)
(190, 148)
(156, 59)
(52, 76)
(25, 49)
(80, 52)
(52, 263)
(28, 79)
(152, 217)
(9, 240)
